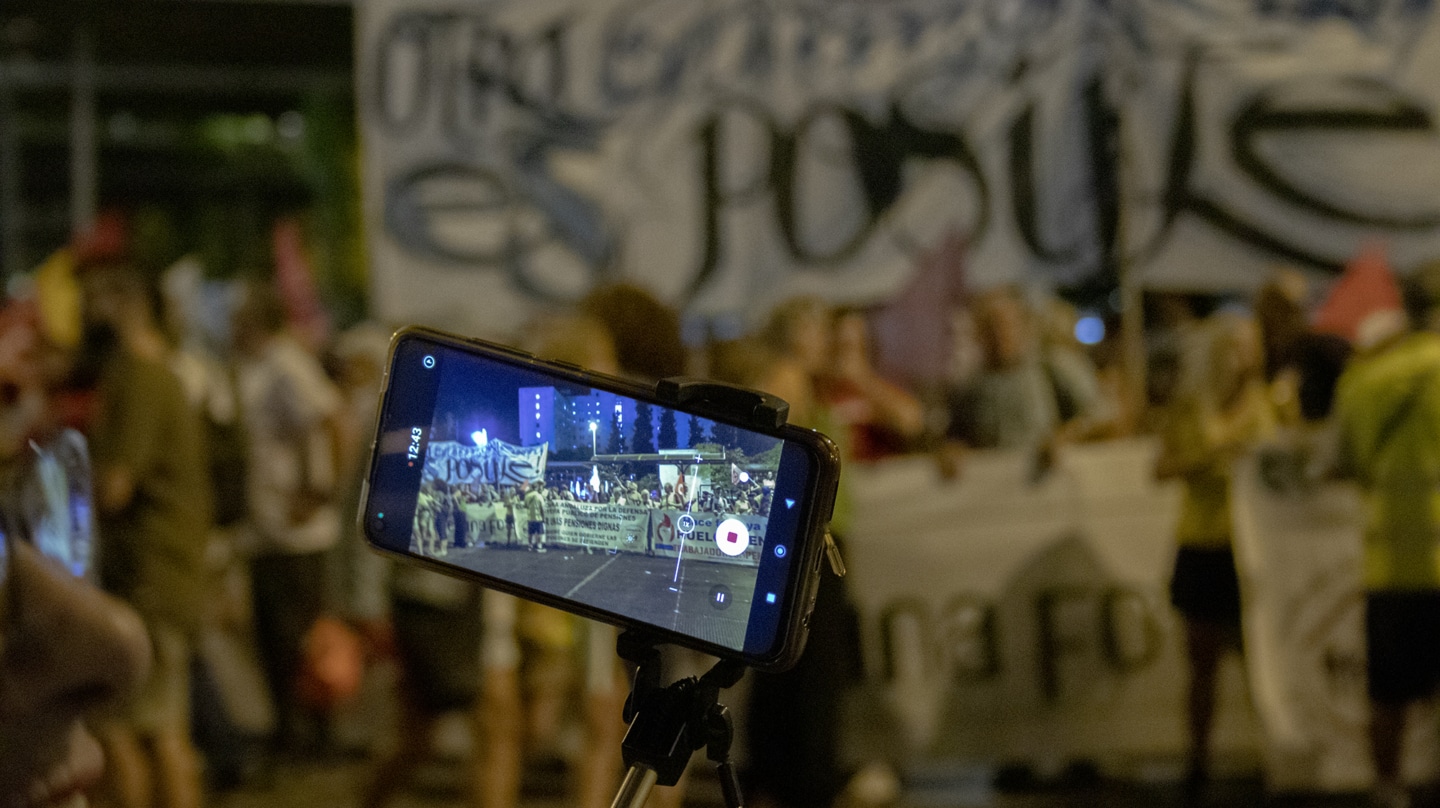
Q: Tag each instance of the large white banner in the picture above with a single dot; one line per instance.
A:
(1027, 618)
(1021, 617)
(730, 154)
(1273, 132)
(597, 527)
(692, 534)
(495, 463)
(1298, 544)
(727, 154)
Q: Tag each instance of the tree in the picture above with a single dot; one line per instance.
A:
(706, 434)
(692, 431)
(726, 435)
(753, 442)
(668, 437)
(615, 444)
(642, 441)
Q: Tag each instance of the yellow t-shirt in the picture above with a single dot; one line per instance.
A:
(1388, 407)
(1207, 442)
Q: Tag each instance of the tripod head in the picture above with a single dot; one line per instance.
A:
(669, 723)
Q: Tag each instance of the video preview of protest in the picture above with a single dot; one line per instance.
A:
(587, 495)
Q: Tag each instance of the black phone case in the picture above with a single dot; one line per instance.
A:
(792, 627)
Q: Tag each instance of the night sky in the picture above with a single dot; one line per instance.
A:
(481, 394)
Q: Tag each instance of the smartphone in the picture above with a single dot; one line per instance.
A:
(598, 496)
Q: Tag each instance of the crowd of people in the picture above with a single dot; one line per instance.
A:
(212, 456)
(475, 514)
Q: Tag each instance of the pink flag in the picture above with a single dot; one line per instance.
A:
(296, 281)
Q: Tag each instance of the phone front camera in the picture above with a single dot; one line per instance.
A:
(377, 525)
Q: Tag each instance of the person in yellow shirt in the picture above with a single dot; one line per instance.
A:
(1222, 410)
(1388, 411)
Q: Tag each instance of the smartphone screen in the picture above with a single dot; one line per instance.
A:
(633, 510)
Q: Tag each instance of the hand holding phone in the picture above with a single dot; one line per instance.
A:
(688, 517)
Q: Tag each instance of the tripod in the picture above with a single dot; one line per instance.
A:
(668, 723)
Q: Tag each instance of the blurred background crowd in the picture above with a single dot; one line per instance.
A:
(195, 280)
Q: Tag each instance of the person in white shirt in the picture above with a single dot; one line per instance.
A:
(295, 424)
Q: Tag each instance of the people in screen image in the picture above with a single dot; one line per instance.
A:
(534, 502)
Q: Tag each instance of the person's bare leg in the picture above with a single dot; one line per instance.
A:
(1387, 732)
(495, 771)
(411, 746)
(598, 775)
(177, 770)
(1204, 645)
(127, 769)
(549, 677)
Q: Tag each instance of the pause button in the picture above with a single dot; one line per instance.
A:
(720, 596)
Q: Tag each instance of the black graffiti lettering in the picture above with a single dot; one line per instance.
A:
(785, 166)
(1260, 117)
(715, 196)
(530, 73)
(879, 154)
(1023, 193)
(1386, 111)
(906, 140)
(1179, 197)
(401, 109)
(969, 639)
(414, 201)
(1103, 128)
(1174, 196)
(1092, 628)
(456, 65)
(1130, 635)
(1059, 633)
(636, 63)
(905, 641)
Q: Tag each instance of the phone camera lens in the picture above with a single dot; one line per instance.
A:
(377, 525)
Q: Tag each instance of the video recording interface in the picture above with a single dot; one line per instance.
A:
(630, 507)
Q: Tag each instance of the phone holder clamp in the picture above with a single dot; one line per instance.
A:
(758, 409)
(669, 723)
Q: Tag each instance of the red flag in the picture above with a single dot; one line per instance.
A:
(1364, 304)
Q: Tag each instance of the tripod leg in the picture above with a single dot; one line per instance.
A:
(635, 788)
(730, 785)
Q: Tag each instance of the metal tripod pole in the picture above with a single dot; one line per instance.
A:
(635, 788)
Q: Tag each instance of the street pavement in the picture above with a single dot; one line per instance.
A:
(653, 590)
(438, 785)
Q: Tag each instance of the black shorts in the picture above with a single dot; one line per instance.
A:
(1205, 586)
(439, 650)
(1402, 645)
